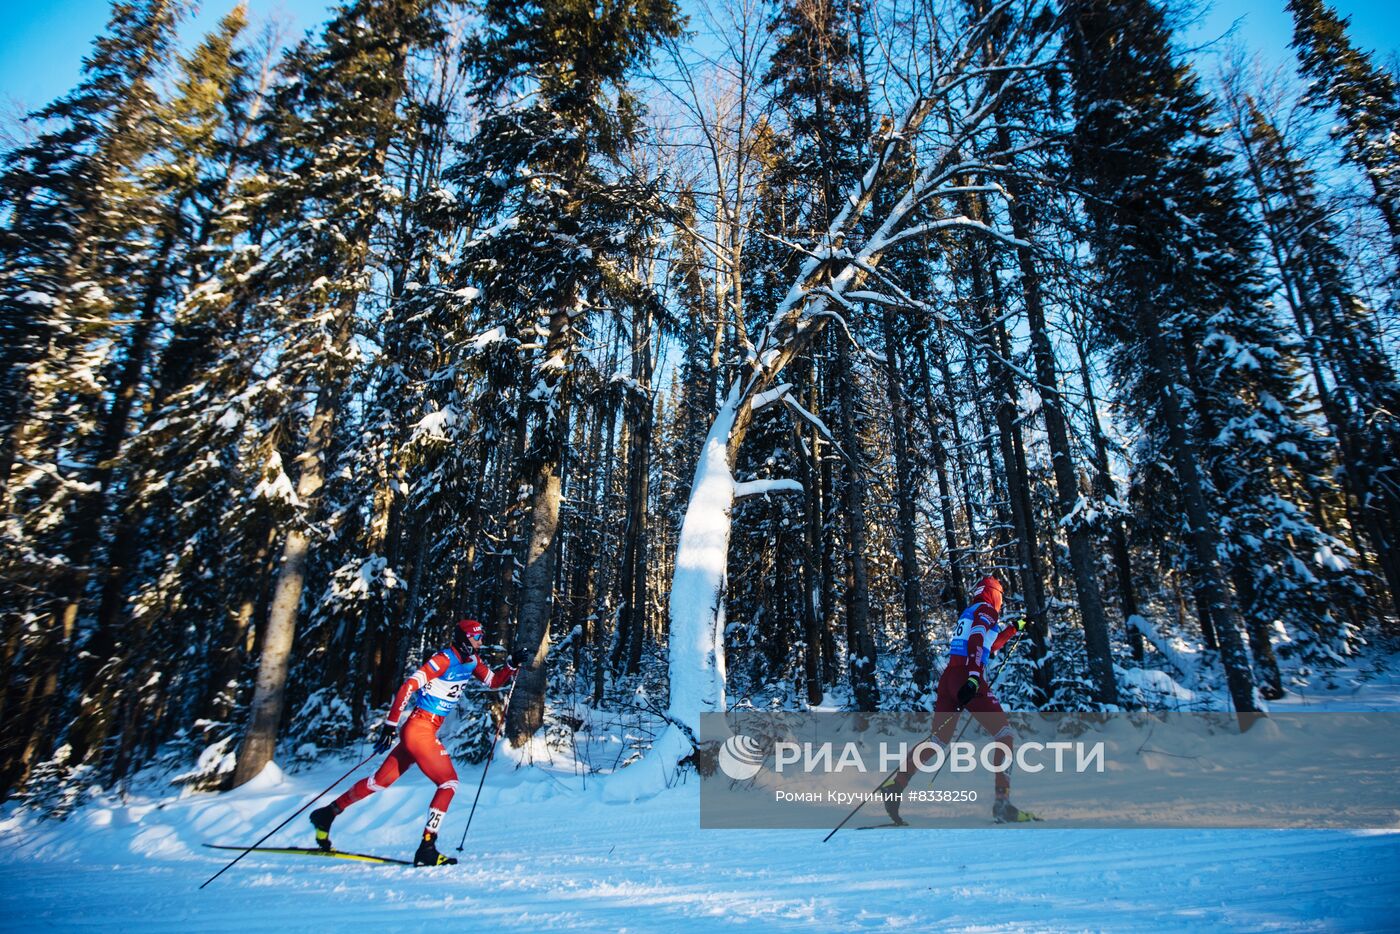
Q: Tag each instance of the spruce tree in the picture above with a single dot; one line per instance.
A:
(1218, 379)
(1354, 378)
(75, 268)
(1366, 97)
(1141, 146)
(553, 221)
(331, 124)
(57, 191)
(188, 179)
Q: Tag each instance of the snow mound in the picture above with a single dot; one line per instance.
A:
(268, 779)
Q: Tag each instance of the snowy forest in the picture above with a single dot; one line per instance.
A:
(707, 354)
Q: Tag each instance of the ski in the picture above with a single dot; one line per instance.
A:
(882, 826)
(313, 851)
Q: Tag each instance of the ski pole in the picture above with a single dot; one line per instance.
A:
(489, 756)
(933, 732)
(289, 819)
(891, 775)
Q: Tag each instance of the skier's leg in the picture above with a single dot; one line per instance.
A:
(945, 705)
(433, 759)
(919, 758)
(395, 765)
(993, 719)
(945, 715)
(398, 762)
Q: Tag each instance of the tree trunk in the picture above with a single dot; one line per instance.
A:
(1261, 645)
(946, 508)
(1107, 490)
(826, 522)
(634, 545)
(1205, 549)
(269, 693)
(221, 692)
(1016, 481)
(860, 646)
(526, 714)
(1081, 549)
(1207, 624)
(1038, 623)
(536, 601)
(904, 494)
(807, 441)
(605, 619)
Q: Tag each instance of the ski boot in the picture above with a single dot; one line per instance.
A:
(321, 819)
(890, 798)
(428, 854)
(1004, 812)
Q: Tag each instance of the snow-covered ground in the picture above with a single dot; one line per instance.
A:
(545, 853)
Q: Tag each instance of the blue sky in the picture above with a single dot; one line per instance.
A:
(42, 42)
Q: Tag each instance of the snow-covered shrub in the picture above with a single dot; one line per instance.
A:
(57, 786)
(214, 766)
(324, 721)
(1072, 689)
(468, 732)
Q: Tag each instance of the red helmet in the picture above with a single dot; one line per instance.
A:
(989, 592)
(467, 630)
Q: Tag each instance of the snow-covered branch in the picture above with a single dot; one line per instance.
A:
(760, 487)
(827, 283)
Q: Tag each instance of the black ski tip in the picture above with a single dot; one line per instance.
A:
(891, 824)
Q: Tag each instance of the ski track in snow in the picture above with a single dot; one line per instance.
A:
(545, 855)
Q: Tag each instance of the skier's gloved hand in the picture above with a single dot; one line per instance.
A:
(1019, 623)
(388, 736)
(515, 660)
(969, 690)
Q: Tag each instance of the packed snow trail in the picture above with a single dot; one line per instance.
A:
(562, 862)
(547, 854)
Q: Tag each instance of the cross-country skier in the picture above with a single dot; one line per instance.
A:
(433, 690)
(963, 686)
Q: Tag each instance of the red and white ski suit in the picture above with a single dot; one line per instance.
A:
(978, 637)
(435, 689)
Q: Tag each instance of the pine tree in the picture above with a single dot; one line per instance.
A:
(1141, 149)
(331, 125)
(74, 272)
(553, 221)
(1366, 97)
(1354, 379)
